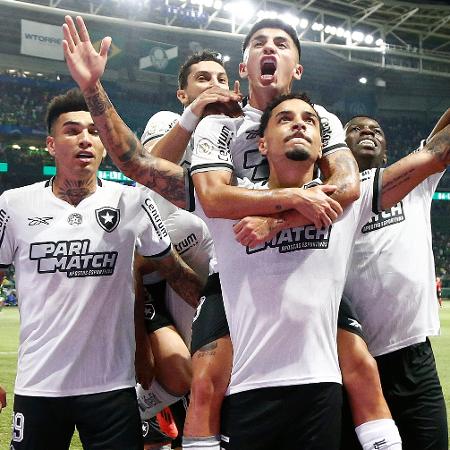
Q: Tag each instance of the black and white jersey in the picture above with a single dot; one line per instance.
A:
(74, 281)
(160, 124)
(231, 144)
(391, 282)
(282, 299)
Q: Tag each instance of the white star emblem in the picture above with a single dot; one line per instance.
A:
(107, 218)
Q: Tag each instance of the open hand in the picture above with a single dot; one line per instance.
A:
(86, 65)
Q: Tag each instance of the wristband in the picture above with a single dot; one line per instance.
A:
(188, 120)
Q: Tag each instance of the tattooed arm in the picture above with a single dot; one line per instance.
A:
(341, 170)
(402, 177)
(181, 278)
(86, 66)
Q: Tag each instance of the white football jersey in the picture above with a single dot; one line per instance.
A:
(391, 282)
(282, 299)
(225, 143)
(161, 123)
(74, 284)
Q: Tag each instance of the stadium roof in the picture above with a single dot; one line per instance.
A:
(403, 35)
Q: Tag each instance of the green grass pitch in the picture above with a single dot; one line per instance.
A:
(9, 337)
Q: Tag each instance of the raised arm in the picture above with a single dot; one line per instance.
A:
(86, 67)
(403, 176)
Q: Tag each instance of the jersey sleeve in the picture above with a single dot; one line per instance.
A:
(333, 136)
(212, 140)
(7, 242)
(158, 125)
(153, 239)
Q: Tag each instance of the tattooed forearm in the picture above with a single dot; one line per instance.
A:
(397, 181)
(97, 101)
(341, 169)
(181, 278)
(439, 146)
(129, 155)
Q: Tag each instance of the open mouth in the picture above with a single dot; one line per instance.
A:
(367, 143)
(85, 155)
(268, 68)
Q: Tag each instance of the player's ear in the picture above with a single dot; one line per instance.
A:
(298, 71)
(243, 70)
(182, 97)
(262, 146)
(384, 159)
(50, 143)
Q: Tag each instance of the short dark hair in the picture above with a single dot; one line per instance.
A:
(273, 23)
(72, 100)
(205, 55)
(280, 99)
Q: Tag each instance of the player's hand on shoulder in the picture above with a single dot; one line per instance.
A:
(316, 205)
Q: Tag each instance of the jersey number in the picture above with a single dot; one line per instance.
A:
(18, 424)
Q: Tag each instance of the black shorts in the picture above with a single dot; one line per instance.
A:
(156, 314)
(105, 421)
(348, 320)
(413, 392)
(304, 417)
(210, 322)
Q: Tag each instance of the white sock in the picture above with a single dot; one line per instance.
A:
(379, 434)
(152, 401)
(200, 443)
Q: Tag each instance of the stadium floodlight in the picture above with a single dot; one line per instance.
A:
(316, 26)
(226, 58)
(264, 14)
(379, 42)
(340, 32)
(245, 9)
(16, 146)
(304, 23)
(368, 39)
(358, 36)
(208, 3)
(363, 80)
(290, 19)
(218, 5)
(330, 30)
(12, 70)
(31, 147)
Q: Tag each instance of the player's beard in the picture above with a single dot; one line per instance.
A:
(297, 154)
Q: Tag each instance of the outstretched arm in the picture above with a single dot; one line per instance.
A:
(402, 177)
(86, 67)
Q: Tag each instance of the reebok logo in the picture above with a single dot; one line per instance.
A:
(299, 238)
(33, 221)
(384, 219)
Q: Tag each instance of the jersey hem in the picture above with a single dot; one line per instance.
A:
(280, 383)
(83, 391)
(406, 343)
(211, 167)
